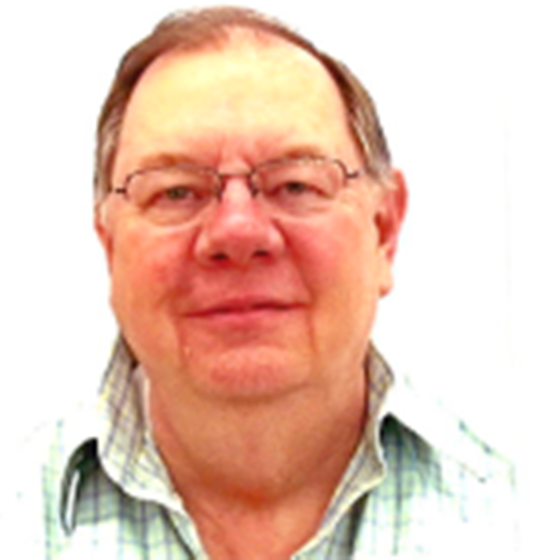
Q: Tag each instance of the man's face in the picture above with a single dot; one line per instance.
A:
(239, 304)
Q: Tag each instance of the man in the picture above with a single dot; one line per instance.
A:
(249, 213)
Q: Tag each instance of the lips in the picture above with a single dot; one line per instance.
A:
(243, 306)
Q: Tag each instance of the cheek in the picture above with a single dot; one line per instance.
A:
(147, 269)
(340, 262)
(340, 267)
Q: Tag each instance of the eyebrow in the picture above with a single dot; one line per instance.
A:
(304, 151)
(165, 159)
(171, 159)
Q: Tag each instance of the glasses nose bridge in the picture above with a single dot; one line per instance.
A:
(249, 176)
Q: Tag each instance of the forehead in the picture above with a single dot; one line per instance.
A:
(250, 95)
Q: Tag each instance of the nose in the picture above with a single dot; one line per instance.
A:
(237, 231)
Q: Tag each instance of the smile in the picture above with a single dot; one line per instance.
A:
(244, 310)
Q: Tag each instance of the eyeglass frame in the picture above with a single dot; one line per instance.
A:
(222, 178)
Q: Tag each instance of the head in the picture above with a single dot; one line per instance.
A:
(241, 302)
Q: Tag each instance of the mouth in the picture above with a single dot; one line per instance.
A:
(244, 308)
(233, 308)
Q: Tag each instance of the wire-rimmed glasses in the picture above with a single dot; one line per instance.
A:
(177, 194)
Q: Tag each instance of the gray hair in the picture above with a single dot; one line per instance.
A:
(193, 31)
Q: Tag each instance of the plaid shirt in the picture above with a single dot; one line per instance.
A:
(419, 483)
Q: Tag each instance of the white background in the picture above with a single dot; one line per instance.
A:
(468, 94)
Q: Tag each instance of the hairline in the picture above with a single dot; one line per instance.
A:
(239, 38)
(224, 36)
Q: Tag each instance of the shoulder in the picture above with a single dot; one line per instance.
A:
(442, 470)
(427, 419)
(32, 487)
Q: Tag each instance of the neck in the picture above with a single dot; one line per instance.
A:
(273, 464)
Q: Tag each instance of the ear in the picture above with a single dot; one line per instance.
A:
(103, 230)
(388, 219)
(392, 211)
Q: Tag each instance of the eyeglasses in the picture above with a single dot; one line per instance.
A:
(177, 194)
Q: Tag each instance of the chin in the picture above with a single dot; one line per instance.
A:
(250, 375)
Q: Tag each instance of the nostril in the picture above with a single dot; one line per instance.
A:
(219, 257)
(223, 256)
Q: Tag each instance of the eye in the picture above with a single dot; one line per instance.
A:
(171, 195)
(302, 189)
(180, 193)
(303, 181)
(177, 193)
(295, 188)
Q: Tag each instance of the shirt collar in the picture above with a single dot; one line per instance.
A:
(114, 435)
(120, 423)
(429, 418)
